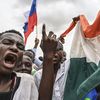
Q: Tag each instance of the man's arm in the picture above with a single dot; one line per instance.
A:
(36, 42)
(46, 85)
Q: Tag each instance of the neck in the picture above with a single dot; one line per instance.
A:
(5, 78)
(6, 83)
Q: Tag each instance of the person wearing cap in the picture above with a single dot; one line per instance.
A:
(59, 63)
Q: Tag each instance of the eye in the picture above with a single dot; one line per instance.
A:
(27, 64)
(20, 46)
(7, 42)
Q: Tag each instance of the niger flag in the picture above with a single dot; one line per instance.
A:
(84, 59)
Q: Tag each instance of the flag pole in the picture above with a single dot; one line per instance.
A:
(36, 23)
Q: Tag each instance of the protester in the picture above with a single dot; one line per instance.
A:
(64, 57)
(14, 86)
(53, 69)
(36, 61)
(26, 65)
(29, 62)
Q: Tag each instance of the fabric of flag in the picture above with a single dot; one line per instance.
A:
(72, 25)
(84, 59)
(91, 83)
(92, 95)
(32, 21)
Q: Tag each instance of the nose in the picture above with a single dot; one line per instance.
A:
(14, 48)
(56, 55)
(23, 66)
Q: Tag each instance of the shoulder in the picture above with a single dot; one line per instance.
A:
(27, 88)
(26, 80)
(66, 63)
(25, 76)
(38, 73)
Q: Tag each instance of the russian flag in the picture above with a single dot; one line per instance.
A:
(32, 21)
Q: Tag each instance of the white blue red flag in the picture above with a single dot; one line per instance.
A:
(32, 21)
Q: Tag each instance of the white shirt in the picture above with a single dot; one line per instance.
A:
(60, 80)
(27, 89)
(37, 62)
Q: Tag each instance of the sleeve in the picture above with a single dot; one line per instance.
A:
(38, 63)
(34, 92)
(34, 50)
(37, 78)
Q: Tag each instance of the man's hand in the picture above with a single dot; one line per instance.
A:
(75, 19)
(36, 42)
(49, 44)
(62, 39)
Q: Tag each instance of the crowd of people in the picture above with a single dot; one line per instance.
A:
(22, 75)
(25, 77)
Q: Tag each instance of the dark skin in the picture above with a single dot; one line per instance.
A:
(58, 54)
(49, 48)
(26, 65)
(62, 39)
(75, 20)
(36, 42)
(11, 51)
(51, 64)
(28, 58)
(57, 61)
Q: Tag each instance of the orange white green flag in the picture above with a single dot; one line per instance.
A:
(84, 58)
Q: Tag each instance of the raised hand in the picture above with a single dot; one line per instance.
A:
(50, 34)
(62, 39)
(49, 44)
(75, 19)
(36, 42)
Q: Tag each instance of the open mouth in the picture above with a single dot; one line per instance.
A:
(10, 59)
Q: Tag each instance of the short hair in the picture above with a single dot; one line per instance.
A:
(11, 31)
(31, 51)
(26, 52)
